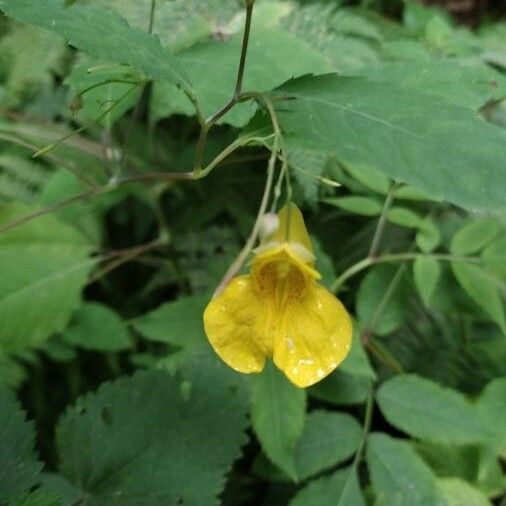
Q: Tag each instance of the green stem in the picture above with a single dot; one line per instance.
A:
(207, 124)
(395, 257)
(250, 243)
(382, 220)
(366, 428)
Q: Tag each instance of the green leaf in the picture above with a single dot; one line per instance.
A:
(12, 373)
(372, 308)
(428, 411)
(468, 84)
(43, 267)
(278, 413)
(459, 493)
(273, 58)
(492, 406)
(404, 217)
(37, 498)
(428, 236)
(178, 323)
(494, 258)
(472, 463)
(97, 88)
(139, 440)
(426, 273)
(31, 57)
(399, 476)
(342, 388)
(370, 177)
(357, 362)
(19, 467)
(339, 489)
(480, 287)
(474, 236)
(392, 128)
(97, 327)
(102, 34)
(356, 204)
(328, 439)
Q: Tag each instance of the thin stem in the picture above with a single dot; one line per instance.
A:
(368, 331)
(207, 124)
(244, 48)
(151, 17)
(243, 255)
(54, 145)
(382, 220)
(395, 257)
(124, 256)
(366, 428)
(55, 159)
(384, 356)
(49, 209)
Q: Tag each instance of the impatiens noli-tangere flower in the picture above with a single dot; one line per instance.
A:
(279, 310)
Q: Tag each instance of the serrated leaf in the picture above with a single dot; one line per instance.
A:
(391, 128)
(328, 439)
(426, 273)
(102, 34)
(278, 412)
(399, 476)
(97, 327)
(119, 459)
(273, 57)
(356, 204)
(43, 266)
(428, 411)
(179, 323)
(19, 467)
(474, 236)
(477, 283)
(339, 489)
(12, 373)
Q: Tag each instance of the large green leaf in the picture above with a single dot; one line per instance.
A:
(426, 410)
(102, 34)
(399, 476)
(154, 439)
(179, 322)
(97, 327)
(278, 412)
(328, 439)
(413, 136)
(43, 267)
(273, 58)
(339, 489)
(19, 467)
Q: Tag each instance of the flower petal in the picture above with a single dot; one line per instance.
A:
(233, 323)
(315, 338)
(292, 228)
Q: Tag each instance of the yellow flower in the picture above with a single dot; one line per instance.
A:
(280, 311)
